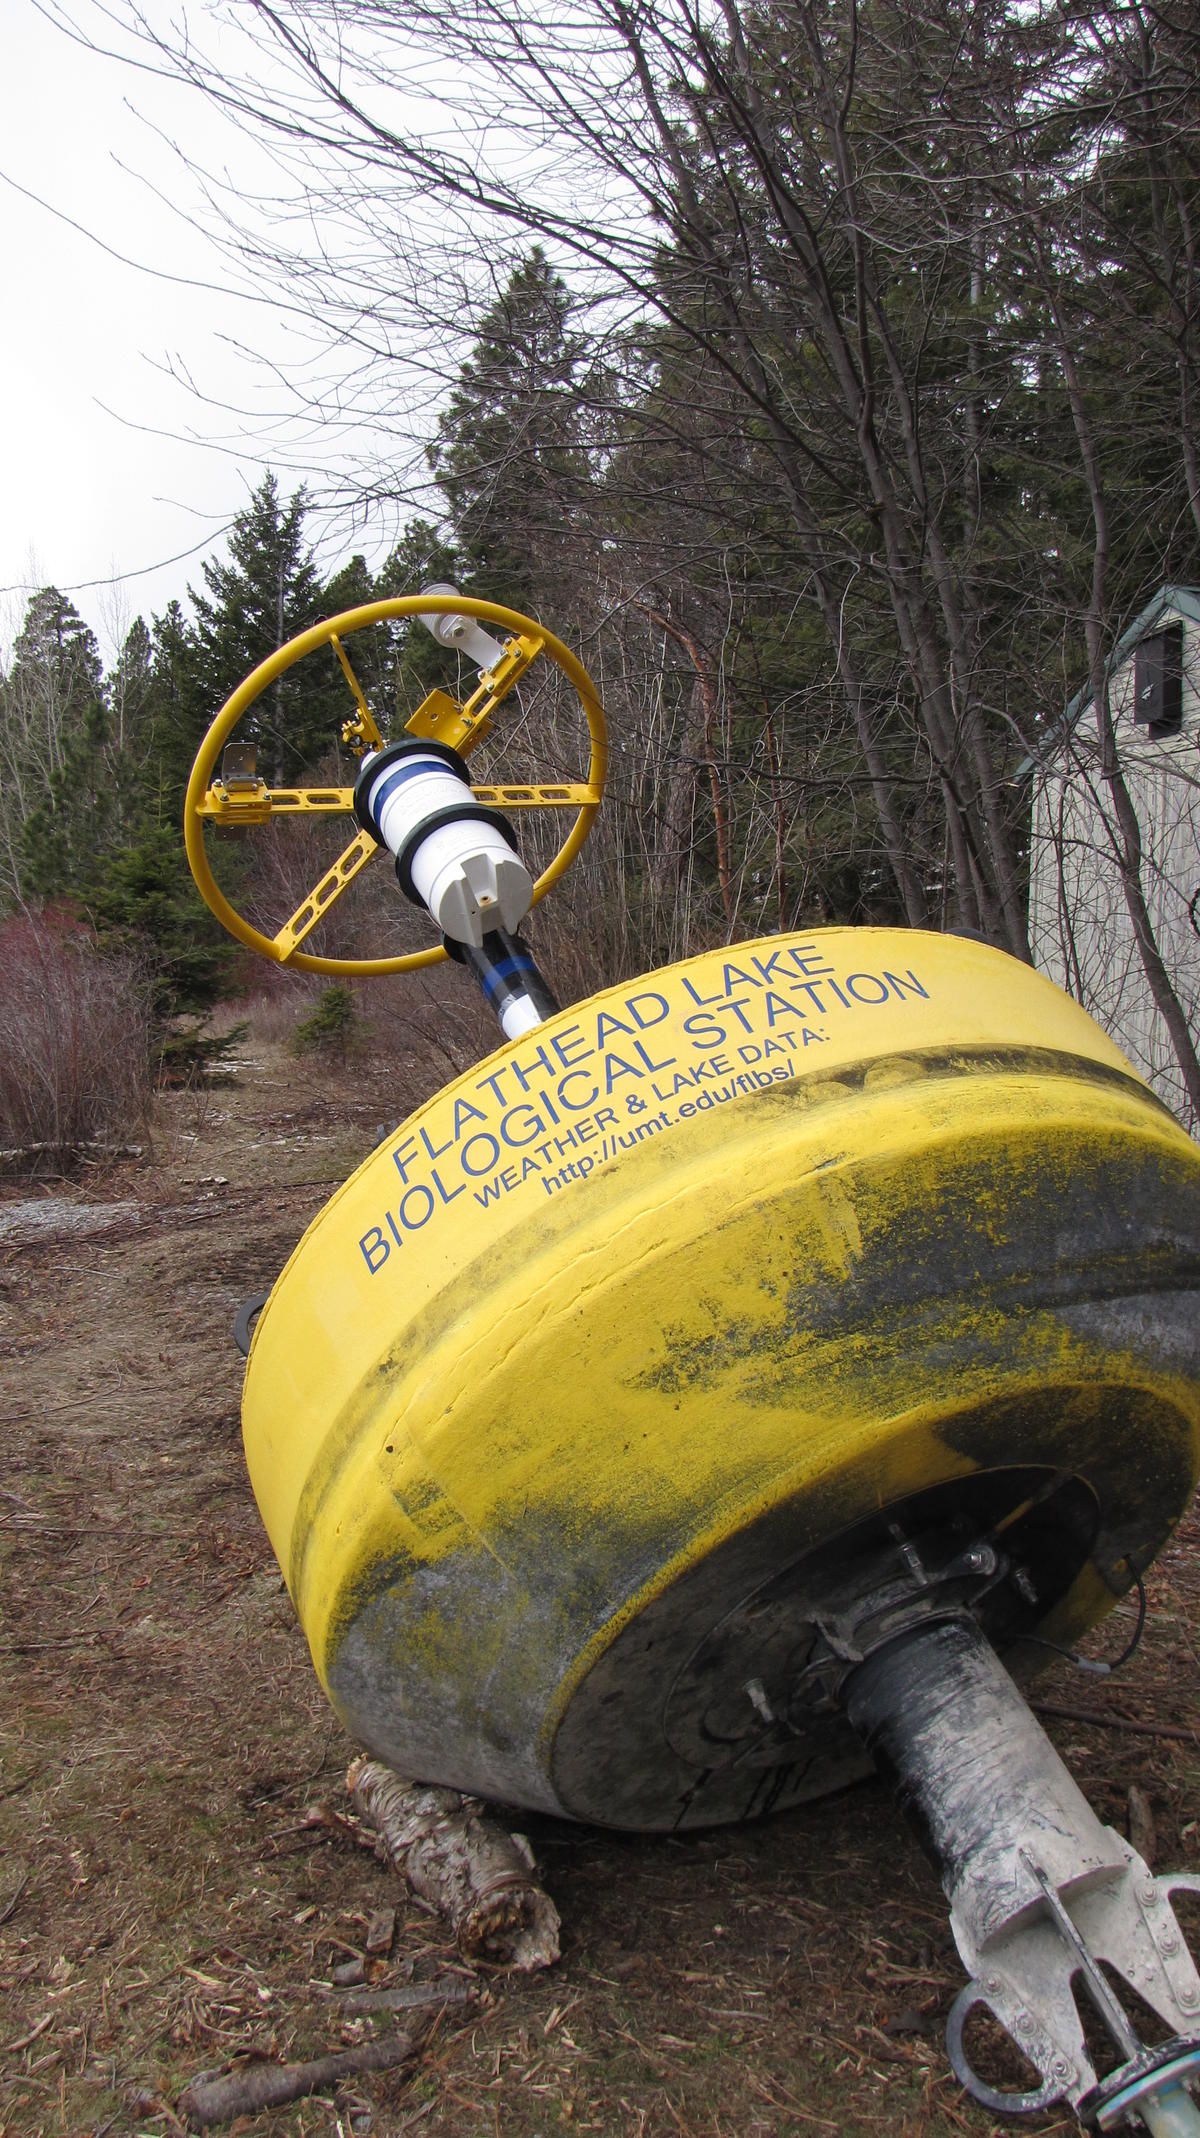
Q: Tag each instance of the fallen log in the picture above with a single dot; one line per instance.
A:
(457, 1860)
(215, 2097)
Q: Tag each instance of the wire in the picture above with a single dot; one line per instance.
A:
(1096, 1669)
(1140, 1626)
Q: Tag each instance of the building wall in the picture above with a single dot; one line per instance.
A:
(1080, 930)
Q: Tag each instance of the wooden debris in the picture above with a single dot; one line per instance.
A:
(1097, 1721)
(213, 2097)
(23, 2041)
(13, 1903)
(411, 1996)
(460, 1862)
(380, 1931)
(335, 1822)
(1143, 1834)
(349, 1974)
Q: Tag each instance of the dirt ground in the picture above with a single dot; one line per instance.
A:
(163, 1909)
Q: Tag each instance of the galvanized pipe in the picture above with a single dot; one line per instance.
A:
(1043, 1898)
(975, 1772)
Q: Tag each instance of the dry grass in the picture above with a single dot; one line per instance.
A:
(161, 1734)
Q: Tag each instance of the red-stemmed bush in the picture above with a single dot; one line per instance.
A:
(75, 1044)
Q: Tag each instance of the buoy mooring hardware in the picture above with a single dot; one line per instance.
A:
(745, 1375)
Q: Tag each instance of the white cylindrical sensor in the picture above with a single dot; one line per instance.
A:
(407, 793)
(471, 881)
(453, 854)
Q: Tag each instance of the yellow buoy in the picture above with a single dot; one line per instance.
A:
(573, 1409)
(727, 1378)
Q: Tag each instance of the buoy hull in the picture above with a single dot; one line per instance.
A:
(572, 1401)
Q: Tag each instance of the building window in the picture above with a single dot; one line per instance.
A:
(1158, 682)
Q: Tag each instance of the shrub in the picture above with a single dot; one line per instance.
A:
(333, 1026)
(189, 1053)
(75, 1044)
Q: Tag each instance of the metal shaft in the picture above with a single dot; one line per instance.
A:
(975, 1772)
(1045, 1902)
(1172, 2115)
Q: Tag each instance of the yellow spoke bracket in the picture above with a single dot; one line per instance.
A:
(568, 795)
(441, 719)
(257, 805)
(361, 733)
(326, 894)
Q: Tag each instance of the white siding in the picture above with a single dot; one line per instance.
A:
(1079, 925)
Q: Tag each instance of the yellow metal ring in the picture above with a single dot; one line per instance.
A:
(261, 678)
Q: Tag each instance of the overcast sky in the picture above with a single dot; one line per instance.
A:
(110, 466)
(146, 382)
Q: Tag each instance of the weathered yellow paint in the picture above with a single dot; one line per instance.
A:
(500, 1416)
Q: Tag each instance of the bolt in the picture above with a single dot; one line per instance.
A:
(993, 1985)
(1189, 1996)
(1061, 2069)
(756, 1693)
(981, 1559)
(913, 1561)
(1168, 1942)
(1024, 2022)
(1023, 1585)
(1148, 1893)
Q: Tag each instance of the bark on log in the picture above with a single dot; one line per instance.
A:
(460, 1862)
(214, 2098)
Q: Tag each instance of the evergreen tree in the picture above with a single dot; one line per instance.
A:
(351, 587)
(179, 705)
(267, 592)
(333, 1026)
(140, 892)
(128, 692)
(509, 455)
(56, 731)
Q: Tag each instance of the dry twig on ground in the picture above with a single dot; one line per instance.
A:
(215, 2098)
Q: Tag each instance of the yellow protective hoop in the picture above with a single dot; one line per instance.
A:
(343, 626)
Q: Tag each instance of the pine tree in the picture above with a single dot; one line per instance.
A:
(333, 1026)
(267, 592)
(509, 455)
(140, 892)
(128, 691)
(58, 787)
